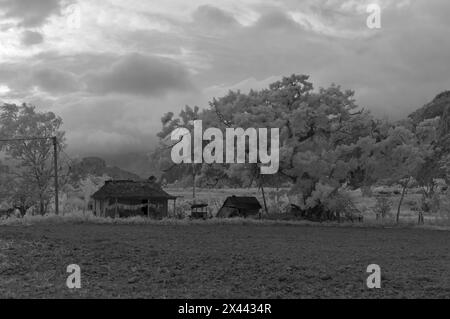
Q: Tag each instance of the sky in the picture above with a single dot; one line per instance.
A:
(112, 68)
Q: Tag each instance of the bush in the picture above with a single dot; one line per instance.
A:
(366, 191)
(382, 207)
(444, 208)
(431, 204)
(329, 203)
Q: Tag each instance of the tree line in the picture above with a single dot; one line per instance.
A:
(327, 143)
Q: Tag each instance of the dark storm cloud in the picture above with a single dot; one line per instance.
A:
(211, 16)
(31, 38)
(114, 124)
(140, 75)
(273, 45)
(276, 19)
(16, 76)
(109, 103)
(55, 81)
(77, 63)
(22, 79)
(97, 74)
(105, 97)
(30, 13)
(393, 70)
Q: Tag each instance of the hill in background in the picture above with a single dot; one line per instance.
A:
(437, 107)
(97, 167)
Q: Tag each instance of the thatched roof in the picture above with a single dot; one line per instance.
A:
(128, 189)
(242, 202)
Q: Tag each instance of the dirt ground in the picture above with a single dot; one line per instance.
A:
(222, 261)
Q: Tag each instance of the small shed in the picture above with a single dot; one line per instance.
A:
(199, 211)
(124, 198)
(239, 206)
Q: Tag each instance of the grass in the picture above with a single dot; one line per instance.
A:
(88, 218)
(277, 200)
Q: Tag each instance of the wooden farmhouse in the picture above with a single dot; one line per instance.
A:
(239, 206)
(124, 198)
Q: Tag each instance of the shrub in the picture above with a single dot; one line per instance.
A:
(329, 203)
(444, 208)
(382, 207)
(431, 204)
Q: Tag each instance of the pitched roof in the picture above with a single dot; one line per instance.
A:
(242, 202)
(132, 190)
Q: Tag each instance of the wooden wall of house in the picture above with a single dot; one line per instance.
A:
(152, 208)
(227, 212)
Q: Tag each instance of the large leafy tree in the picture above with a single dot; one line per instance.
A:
(32, 172)
(172, 172)
(318, 130)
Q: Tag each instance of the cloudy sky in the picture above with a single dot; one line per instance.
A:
(111, 68)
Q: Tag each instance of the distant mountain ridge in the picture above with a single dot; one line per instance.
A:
(97, 167)
(139, 163)
(437, 107)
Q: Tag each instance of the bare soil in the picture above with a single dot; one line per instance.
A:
(222, 261)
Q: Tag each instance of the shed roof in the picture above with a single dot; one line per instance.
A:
(242, 202)
(131, 190)
(201, 205)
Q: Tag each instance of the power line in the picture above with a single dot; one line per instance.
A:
(18, 139)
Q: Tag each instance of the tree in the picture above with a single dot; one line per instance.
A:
(318, 130)
(430, 170)
(445, 166)
(32, 159)
(89, 185)
(186, 120)
(18, 193)
(395, 160)
(314, 127)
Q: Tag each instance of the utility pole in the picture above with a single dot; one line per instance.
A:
(55, 162)
(193, 183)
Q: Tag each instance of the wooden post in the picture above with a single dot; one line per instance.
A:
(55, 163)
(174, 207)
(116, 215)
(405, 186)
(264, 196)
(148, 208)
(193, 183)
